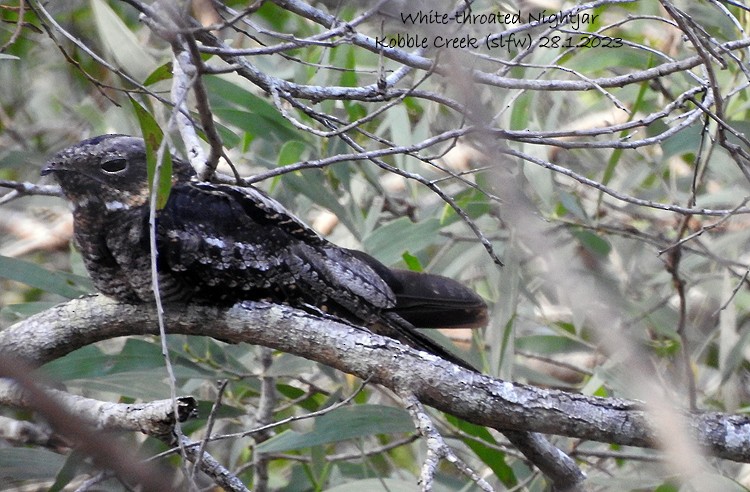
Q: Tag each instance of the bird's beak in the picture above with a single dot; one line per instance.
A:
(52, 167)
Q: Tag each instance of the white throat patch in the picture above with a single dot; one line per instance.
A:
(116, 205)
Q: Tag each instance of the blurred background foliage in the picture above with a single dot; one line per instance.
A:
(605, 265)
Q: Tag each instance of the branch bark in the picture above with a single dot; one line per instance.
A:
(476, 398)
(155, 418)
(79, 420)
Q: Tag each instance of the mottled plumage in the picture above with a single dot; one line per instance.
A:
(222, 243)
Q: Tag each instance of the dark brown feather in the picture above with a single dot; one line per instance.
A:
(223, 243)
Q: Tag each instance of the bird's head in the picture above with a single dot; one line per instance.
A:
(108, 170)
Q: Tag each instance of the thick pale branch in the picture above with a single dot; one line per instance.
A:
(155, 418)
(23, 433)
(476, 398)
(76, 431)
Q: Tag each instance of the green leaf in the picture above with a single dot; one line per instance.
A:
(255, 124)
(19, 464)
(490, 455)
(86, 362)
(549, 344)
(472, 201)
(26, 309)
(137, 357)
(229, 137)
(314, 186)
(343, 424)
(519, 116)
(122, 44)
(290, 153)
(593, 243)
(570, 204)
(389, 242)
(144, 385)
(355, 110)
(287, 365)
(153, 136)
(68, 471)
(605, 59)
(60, 283)
(667, 487)
(349, 75)
(683, 142)
(162, 72)
(239, 107)
(412, 262)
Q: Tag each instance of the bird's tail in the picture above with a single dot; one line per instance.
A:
(429, 301)
(434, 301)
(426, 301)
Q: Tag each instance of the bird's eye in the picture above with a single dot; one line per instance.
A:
(114, 165)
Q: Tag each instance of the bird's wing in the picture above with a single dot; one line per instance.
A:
(246, 245)
(235, 243)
